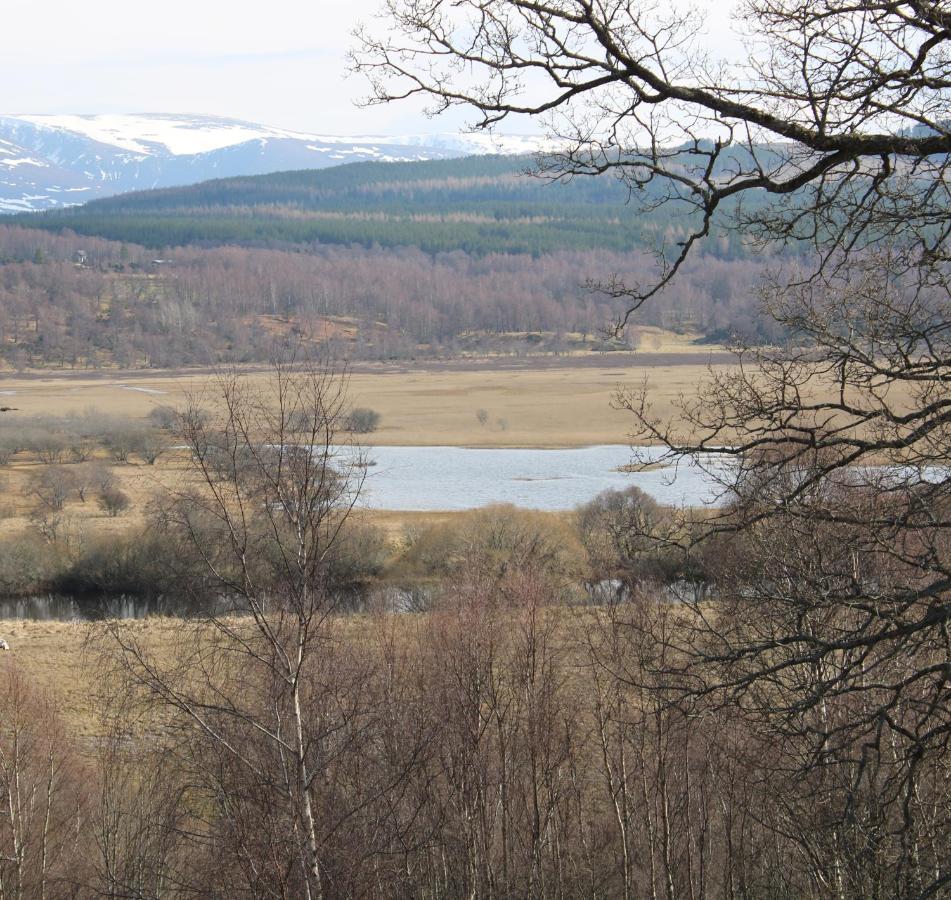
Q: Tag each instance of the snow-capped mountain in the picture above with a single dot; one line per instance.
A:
(53, 161)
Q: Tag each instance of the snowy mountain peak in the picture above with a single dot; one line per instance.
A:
(48, 161)
(147, 134)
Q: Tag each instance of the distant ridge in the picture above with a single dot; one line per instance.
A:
(476, 204)
(50, 162)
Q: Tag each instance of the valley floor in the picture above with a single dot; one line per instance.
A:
(565, 402)
(562, 402)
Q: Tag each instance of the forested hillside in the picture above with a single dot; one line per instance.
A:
(481, 205)
(76, 301)
(393, 260)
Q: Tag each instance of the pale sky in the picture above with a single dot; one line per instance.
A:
(275, 62)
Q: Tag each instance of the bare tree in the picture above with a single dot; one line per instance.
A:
(271, 491)
(52, 487)
(47, 444)
(833, 596)
(42, 849)
(842, 106)
(91, 477)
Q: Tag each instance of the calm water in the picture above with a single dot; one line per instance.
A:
(446, 478)
(455, 478)
(57, 607)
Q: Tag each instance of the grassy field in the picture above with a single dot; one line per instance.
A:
(547, 402)
(64, 659)
(566, 403)
(564, 406)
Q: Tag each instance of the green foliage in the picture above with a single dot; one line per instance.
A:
(480, 205)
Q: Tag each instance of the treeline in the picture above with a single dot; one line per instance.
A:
(71, 301)
(501, 739)
(497, 745)
(248, 225)
(480, 205)
(580, 556)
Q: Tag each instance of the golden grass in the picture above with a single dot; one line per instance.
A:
(63, 659)
(70, 661)
(140, 482)
(532, 407)
(526, 407)
(396, 525)
(566, 406)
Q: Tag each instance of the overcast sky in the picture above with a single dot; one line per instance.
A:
(277, 62)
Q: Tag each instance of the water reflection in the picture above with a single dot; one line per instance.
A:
(95, 608)
(402, 598)
(62, 608)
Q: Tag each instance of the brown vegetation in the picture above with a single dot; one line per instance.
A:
(501, 739)
(493, 745)
(234, 304)
(829, 623)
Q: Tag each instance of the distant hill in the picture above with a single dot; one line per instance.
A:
(48, 162)
(480, 204)
(395, 260)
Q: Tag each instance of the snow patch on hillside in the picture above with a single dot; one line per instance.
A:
(187, 136)
(22, 161)
(23, 204)
(178, 135)
(49, 161)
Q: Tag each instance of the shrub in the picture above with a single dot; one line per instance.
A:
(25, 565)
(132, 563)
(150, 446)
(359, 556)
(121, 443)
(362, 420)
(164, 417)
(114, 501)
(52, 486)
(623, 533)
(493, 541)
(299, 420)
